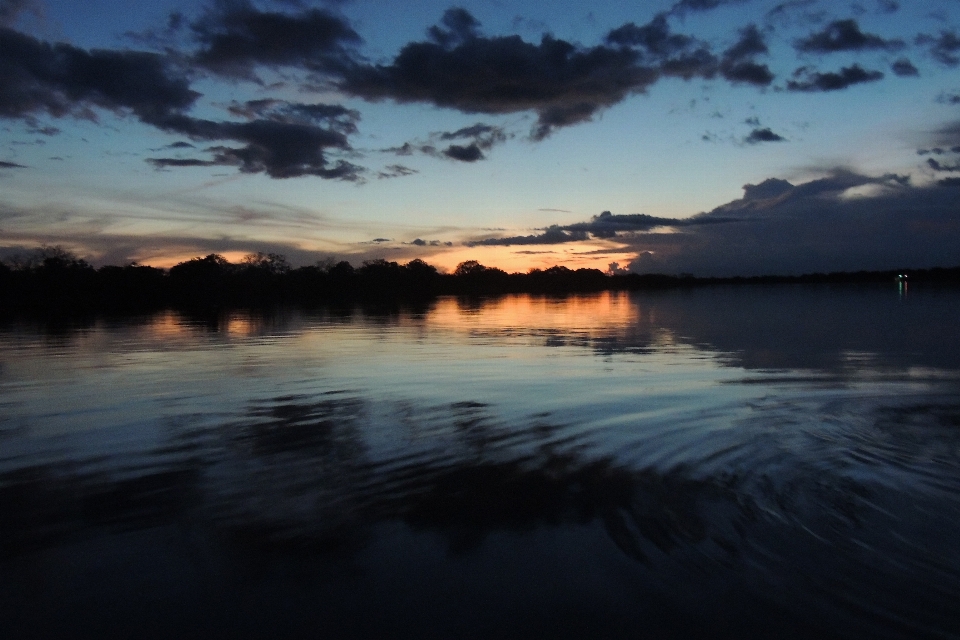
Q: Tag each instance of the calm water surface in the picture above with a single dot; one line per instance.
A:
(778, 461)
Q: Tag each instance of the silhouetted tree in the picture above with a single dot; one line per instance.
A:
(274, 263)
(202, 282)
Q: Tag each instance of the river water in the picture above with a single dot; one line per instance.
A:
(778, 461)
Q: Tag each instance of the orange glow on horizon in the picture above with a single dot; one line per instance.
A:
(593, 254)
(523, 258)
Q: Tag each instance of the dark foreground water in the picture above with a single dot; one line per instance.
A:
(723, 462)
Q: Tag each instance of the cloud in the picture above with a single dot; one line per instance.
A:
(64, 80)
(286, 142)
(904, 68)
(943, 48)
(843, 222)
(396, 171)
(939, 166)
(164, 163)
(11, 10)
(235, 38)
(948, 136)
(470, 153)
(476, 131)
(763, 135)
(808, 80)
(479, 137)
(609, 225)
(737, 64)
(949, 98)
(419, 242)
(482, 138)
(564, 84)
(783, 13)
(683, 6)
(11, 165)
(335, 116)
(281, 139)
(553, 235)
(887, 6)
(844, 35)
(606, 225)
(654, 37)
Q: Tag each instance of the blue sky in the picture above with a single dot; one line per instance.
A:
(486, 130)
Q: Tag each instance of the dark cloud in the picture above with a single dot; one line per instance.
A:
(553, 235)
(477, 138)
(279, 148)
(164, 163)
(655, 37)
(458, 67)
(564, 84)
(11, 10)
(751, 43)
(396, 171)
(420, 242)
(817, 226)
(944, 48)
(11, 165)
(180, 145)
(605, 225)
(43, 130)
(763, 135)
(64, 80)
(673, 54)
(482, 138)
(166, 38)
(334, 116)
(769, 188)
(406, 149)
(280, 139)
(683, 6)
(609, 225)
(949, 98)
(235, 38)
(475, 131)
(784, 13)
(458, 26)
(904, 68)
(737, 64)
(808, 80)
(948, 136)
(888, 6)
(937, 151)
(844, 35)
(470, 153)
(939, 166)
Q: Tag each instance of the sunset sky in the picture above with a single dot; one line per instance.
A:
(724, 137)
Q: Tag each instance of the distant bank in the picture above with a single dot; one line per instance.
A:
(57, 282)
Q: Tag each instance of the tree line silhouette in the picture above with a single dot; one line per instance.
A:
(53, 280)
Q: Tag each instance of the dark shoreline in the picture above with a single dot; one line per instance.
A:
(63, 285)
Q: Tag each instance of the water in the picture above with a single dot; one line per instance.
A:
(779, 461)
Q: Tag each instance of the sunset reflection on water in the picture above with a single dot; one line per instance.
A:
(669, 463)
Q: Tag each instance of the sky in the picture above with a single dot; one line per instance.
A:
(711, 137)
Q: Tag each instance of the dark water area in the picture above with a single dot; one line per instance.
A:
(775, 461)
